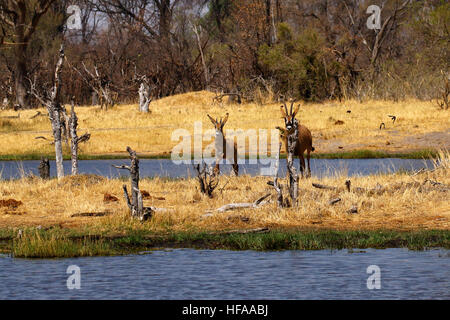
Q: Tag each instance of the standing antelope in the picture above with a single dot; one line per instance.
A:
(221, 144)
(304, 141)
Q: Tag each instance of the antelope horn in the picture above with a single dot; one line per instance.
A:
(285, 108)
(296, 110)
(292, 104)
(210, 118)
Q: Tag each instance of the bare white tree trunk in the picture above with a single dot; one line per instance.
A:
(56, 127)
(135, 204)
(292, 140)
(73, 124)
(54, 111)
(144, 97)
(205, 68)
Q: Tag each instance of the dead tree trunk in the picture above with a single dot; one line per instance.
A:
(292, 140)
(71, 125)
(281, 201)
(208, 179)
(54, 111)
(144, 97)
(205, 68)
(44, 168)
(136, 205)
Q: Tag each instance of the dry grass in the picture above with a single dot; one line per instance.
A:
(406, 204)
(419, 125)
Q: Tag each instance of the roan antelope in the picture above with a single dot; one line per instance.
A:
(304, 141)
(222, 143)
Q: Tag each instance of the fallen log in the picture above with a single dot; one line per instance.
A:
(334, 201)
(321, 186)
(90, 214)
(38, 114)
(232, 206)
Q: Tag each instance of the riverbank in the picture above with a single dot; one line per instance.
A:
(58, 243)
(412, 207)
(339, 129)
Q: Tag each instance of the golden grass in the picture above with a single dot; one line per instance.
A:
(420, 125)
(407, 204)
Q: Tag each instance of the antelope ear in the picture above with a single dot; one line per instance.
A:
(296, 110)
(212, 120)
(225, 119)
(283, 112)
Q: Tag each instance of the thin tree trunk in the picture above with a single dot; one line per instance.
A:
(205, 68)
(136, 203)
(54, 111)
(73, 124)
(144, 97)
(292, 140)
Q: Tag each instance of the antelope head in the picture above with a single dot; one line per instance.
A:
(218, 125)
(289, 117)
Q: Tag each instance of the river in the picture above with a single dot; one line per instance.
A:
(167, 168)
(221, 274)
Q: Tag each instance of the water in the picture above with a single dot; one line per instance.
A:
(166, 168)
(209, 274)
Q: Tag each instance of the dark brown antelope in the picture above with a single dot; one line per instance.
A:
(304, 142)
(222, 145)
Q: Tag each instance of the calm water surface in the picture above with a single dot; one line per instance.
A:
(166, 168)
(208, 274)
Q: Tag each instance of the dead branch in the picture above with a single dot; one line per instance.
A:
(321, 186)
(436, 184)
(38, 114)
(135, 205)
(52, 102)
(90, 214)
(334, 201)
(282, 202)
(41, 137)
(207, 178)
(232, 206)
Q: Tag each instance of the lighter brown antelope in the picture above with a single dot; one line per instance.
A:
(222, 145)
(304, 142)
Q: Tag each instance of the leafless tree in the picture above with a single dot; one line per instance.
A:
(53, 104)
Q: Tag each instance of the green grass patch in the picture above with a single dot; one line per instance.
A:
(51, 245)
(61, 243)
